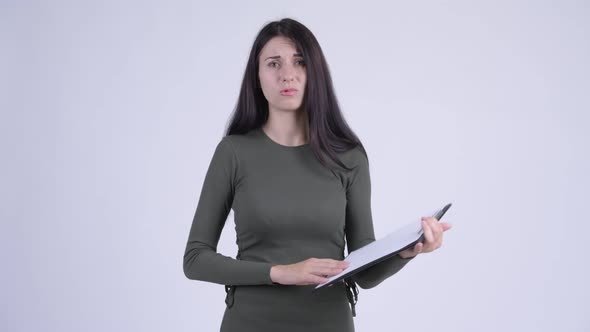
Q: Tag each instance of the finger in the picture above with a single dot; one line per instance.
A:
(331, 262)
(413, 251)
(428, 235)
(313, 279)
(446, 226)
(418, 248)
(321, 271)
(430, 219)
(333, 272)
(439, 239)
(434, 225)
(437, 232)
(329, 267)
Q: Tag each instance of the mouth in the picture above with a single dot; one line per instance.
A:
(288, 92)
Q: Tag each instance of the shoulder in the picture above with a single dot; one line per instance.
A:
(244, 144)
(236, 145)
(225, 146)
(354, 157)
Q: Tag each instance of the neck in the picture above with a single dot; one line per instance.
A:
(287, 127)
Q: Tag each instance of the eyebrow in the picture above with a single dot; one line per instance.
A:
(278, 56)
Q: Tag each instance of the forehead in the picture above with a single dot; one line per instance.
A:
(279, 45)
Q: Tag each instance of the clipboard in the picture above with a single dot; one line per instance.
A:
(377, 251)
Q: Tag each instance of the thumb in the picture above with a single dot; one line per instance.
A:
(446, 226)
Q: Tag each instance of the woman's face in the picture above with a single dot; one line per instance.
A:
(282, 74)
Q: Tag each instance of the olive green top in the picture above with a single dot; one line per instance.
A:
(287, 208)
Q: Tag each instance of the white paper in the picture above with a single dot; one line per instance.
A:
(394, 241)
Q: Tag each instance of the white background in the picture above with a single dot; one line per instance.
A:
(111, 112)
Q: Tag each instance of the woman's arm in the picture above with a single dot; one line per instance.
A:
(201, 260)
(359, 225)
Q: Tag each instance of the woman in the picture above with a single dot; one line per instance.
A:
(297, 178)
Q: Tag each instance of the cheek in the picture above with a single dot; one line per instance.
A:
(266, 85)
(265, 79)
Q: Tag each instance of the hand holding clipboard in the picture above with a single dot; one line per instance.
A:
(432, 239)
(408, 241)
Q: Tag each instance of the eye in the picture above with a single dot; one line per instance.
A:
(272, 64)
(300, 62)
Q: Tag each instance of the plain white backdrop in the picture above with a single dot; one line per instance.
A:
(111, 111)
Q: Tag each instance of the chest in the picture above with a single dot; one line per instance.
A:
(289, 199)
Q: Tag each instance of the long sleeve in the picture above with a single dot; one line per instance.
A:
(201, 260)
(359, 225)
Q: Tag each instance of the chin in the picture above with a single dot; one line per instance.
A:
(287, 107)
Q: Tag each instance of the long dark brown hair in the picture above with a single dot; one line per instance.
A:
(328, 131)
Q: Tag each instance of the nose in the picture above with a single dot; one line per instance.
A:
(288, 73)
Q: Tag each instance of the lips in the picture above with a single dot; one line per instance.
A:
(288, 92)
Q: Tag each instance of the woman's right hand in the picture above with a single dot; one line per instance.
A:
(311, 271)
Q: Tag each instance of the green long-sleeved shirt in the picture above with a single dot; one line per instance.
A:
(287, 208)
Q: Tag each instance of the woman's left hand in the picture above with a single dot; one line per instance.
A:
(433, 236)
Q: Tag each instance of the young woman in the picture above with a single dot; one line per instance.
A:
(297, 178)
